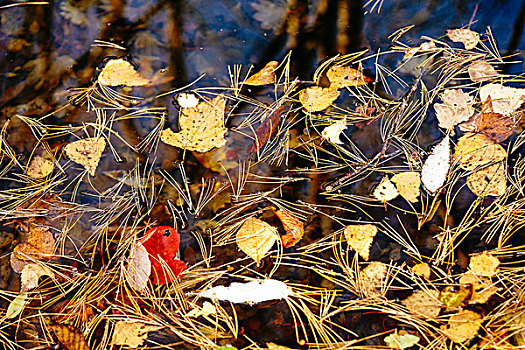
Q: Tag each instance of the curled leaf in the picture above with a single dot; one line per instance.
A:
(292, 225)
(505, 99)
(401, 340)
(69, 337)
(139, 268)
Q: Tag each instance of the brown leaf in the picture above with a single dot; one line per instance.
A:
(360, 238)
(131, 334)
(489, 181)
(408, 184)
(40, 167)
(484, 264)
(475, 150)
(38, 244)
(468, 37)
(292, 225)
(343, 76)
(316, 98)
(86, 152)
(496, 126)
(371, 279)
(462, 326)
(255, 238)
(456, 108)
(481, 71)
(424, 303)
(69, 337)
(120, 72)
(264, 76)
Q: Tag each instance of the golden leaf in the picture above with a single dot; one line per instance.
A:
(456, 108)
(292, 225)
(424, 303)
(316, 98)
(453, 296)
(435, 169)
(401, 340)
(505, 99)
(201, 128)
(385, 191)
(408, 184)
(489, 181)
(462, 326)
(264, 76)
(360, 238)
(343, 76)
(86, 152)
(38, 244)
(481, 71)
(371, 279)
(421, 269)
(70, 337)
(255, 238)
(482, 289)
(40, 167)
(484, 264)
(468, 37)
(120, 72)
(131, 334)
(474, 150)
(206, 310)
(30, 275)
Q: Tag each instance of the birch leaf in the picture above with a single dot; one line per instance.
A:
(39, 244)
(489, 181)
(481, 71)
(255, 238)
(253, 292)
(401, 340)
(40, 167)
(476, 150)
(484, 264)
(30, 275)
(385, 191)
(316, 98)
(86, 152)
(332, 132)
(120, 72)
(482, 289)
(421, 269)
(456, 108)
(371, 278)
(468, 37)
(131, 334)
(264, 76)
(462, 326)
(424, 303)
(505, 99)
(206, 310)
(408, 184)
(343, 76)
(360, 238)
(139, 268)
(435, 169)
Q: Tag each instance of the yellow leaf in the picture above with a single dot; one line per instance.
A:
(40, 167)
(475, 150)
(131, 334)
(360, 238)
(462, 326)
(481, 71)
(342, 76)
(316, 98)
(371, 279)
(468, 37)
(264, 76)
(30, 275)
(482, 289)
(424, 303)
(120, 72)
(505, 99)
(385, 191)
(489, 181)
(408, 184)
(206, 310)
(421, 269)
(484, 264)
(17, 305)
(201, 128)
(435, 169)
(70, 337)
(255, 238)
(38, 244)
(86, 152)
(453, 296)
(456, 108)
(401, 340)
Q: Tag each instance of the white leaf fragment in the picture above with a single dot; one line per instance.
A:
(253, 292)
(187, 100)
(436, 166)
(139, 268)
(332, 132)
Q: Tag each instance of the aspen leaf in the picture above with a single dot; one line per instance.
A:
(187, 100)
(30, 275)
(360, 238)
(120, 72)
(139, 268)
(489, 181)
(505, 99)
(333, 132)
(421, 269)
(372, 277)
(408, 184)
(17, 305)
(468, 37)
(484, 264)
(456, 108)
(69, 337)
(482, 289)
(86, 152)
(264, 76)
(495, 126)
(38, 244)
(40, 167)
(255, 238)
(131, 334)
(481, 71)
(316, 98)
(253, 292)
(343, 76)
(401, 340)
(453, 296)
(385, 191)
(292, 225)
(462, 326)
(475, 150)
(435, 169)
(424, 303)
(206, 310)
(201, 128)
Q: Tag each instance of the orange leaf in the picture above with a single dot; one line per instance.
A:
(292, 225)
(69, 337)
(264, 76)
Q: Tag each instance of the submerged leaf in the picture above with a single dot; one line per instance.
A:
(371, 278)
(360, 238)
(489, 181)
(255, 238)
(481, 71)
(264, 76)
(421, 269)
(120, 72)
(424, 303)
(86, 152)
(453, 296)
(435, 169)
(316, 98)
(253, 292)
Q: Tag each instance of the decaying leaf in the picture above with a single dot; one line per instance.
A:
(131, 334)
(17, 305)
(481, 71)
(468, 37)
(40, 167)
(453, 296)
(201, 128)
(30, 275)
(86, 152)
(475, 150)
(264, 76)
(333, 132)
(456, 108)
(360, 238)
(426, 46)
(421, 269)
(316, 98)
(462, 326)
(69, 337)
(495, 126)
(385, 191)
(505, 99)
(484, 264)
(343, 76)
(207, 309)
(482, 289)
(292, 225)
(255, 238)
(187, 100)
(424, 303)
(254, 292)
(435, 169)
(408, 184)
(372, 278)
(401, 340)
(139, 268)
(120, 72)
(38, 244)
(489, 181)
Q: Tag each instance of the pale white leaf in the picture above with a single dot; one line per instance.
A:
(436, 166)
(187, 100)
(332, 132)
(139, 268)
(253, 292)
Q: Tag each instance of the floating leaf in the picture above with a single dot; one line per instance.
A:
(38, 244)
(462, 326)
(435, 169)
(187, 100)
(343, 76)
(264, 76)
(484, 264)
(333, 132)
(482, 289)
(453, 296)
(408, 184)
(481, 71)
(468, 37)
(17, 305)
(456, 108)
(131, 334)
(360, 238)
(371, 278)
(316, 98)
(86, 152)
(421, 269)
(292, 225)
(201, 128)
(401, 340)
(30, 275)
(489, 181)
(40, 167)
(120, 72)
(255, 238)
(206, 310)
(253, 292)
(139, 268)
(424, 303)
(475, 150)
(385, 191)
(69, 337)
(505, 99)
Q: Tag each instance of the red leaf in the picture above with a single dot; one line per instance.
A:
(162, 244)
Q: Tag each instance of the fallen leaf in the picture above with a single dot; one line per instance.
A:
(38, 244)
(343, 76)
(484, 264)
(360, 238)
(264, 76)
(17, 305)
(371, 279)
(86, 152)
(120, 72)
(206, 310)
(476, 150)
(201, 128)
(424, 303)
(385, 191)
(265, 130)
(421, 269)
(139, 268)
(292, 225)
(255, 238)
(401, 340)
(482, 289)
(505, 99)
(489, 181)
(456, 108)
(462, 326)
(333, 132)
(495, 126)
(453, 296)
(273, 346)
(316, 98)
(435, 169)
(468, 37)
(408, 184)
(30, 275)
(131, 334)
(254, 292)
(69, 337)
(481, 71)
(162, 244)
(187, 100)
(40, 167)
